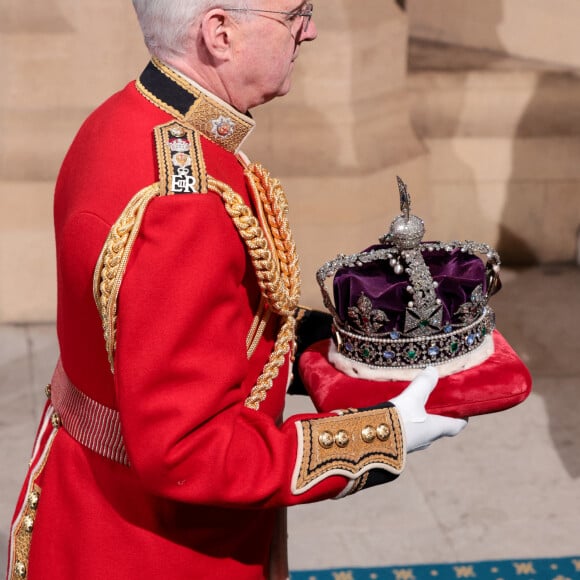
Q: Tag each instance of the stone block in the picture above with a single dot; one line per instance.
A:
(34, 142)
(511, 101)
(503, 137)
(487, 159)
(347, 111)
(520, 196)
(535, 29)
(27, 255)
(74, 58)
(335, 139)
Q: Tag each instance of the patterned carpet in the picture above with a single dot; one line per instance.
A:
(542, 569)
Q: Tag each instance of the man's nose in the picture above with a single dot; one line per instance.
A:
(310, 33)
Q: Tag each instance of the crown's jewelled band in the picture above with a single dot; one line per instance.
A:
(415, 352)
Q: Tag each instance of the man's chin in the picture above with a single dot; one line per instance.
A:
(285, 87)
(284, 90)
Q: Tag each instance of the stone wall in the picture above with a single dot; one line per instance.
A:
(495, 98)
(60, 59)
(477, 127)
(542, 30)
(334, 141)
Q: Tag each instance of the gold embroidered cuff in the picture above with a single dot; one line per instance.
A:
(349, 445)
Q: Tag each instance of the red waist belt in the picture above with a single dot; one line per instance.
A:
(93, 425)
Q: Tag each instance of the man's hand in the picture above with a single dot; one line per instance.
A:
(422, 428)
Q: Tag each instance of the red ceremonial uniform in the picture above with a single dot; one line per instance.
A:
(161, 469)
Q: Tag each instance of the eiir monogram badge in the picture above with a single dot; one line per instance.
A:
(181, 165)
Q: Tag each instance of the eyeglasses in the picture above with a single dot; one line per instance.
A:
(305, 13)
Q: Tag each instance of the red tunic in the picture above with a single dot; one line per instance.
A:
(207, 474)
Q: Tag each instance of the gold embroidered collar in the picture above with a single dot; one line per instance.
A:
(194, 106)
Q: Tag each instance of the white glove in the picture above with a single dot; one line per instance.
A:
(422, 428)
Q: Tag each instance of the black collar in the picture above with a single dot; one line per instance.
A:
(194, 106)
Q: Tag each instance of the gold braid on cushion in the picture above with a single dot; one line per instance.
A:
(112, 263)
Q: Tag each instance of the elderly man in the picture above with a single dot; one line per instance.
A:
(161, 453)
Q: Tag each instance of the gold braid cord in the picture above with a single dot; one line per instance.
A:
(271, 249)
(112, 263)
(272, 207)
(284, 341)
(277, 270)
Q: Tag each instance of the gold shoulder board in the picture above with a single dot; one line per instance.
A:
(180, 158)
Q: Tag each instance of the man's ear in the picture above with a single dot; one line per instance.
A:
(217, 28)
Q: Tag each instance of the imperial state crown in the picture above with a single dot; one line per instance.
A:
(404, 304)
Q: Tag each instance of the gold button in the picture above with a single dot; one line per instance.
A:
(33, 498)
(326, 439)
(342, 439)
(21, 569)
(48, 391)
(177, 131)
(28, 523)
(368, 434)
(55, 420)
(383, 432)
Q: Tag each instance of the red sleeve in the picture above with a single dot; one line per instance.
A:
(182, 372)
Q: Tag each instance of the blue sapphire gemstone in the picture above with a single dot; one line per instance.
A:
(433, 351)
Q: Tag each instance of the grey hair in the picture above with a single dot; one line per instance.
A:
(165, 23)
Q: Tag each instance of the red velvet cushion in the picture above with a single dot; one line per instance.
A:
(499, 383)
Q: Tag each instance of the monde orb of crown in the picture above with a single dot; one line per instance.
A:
(406, 233)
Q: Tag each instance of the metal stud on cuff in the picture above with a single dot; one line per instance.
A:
(342, 439)
(368, 434)
(383, 432)
(326, 440)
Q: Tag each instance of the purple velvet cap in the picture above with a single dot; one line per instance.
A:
(456, 273)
